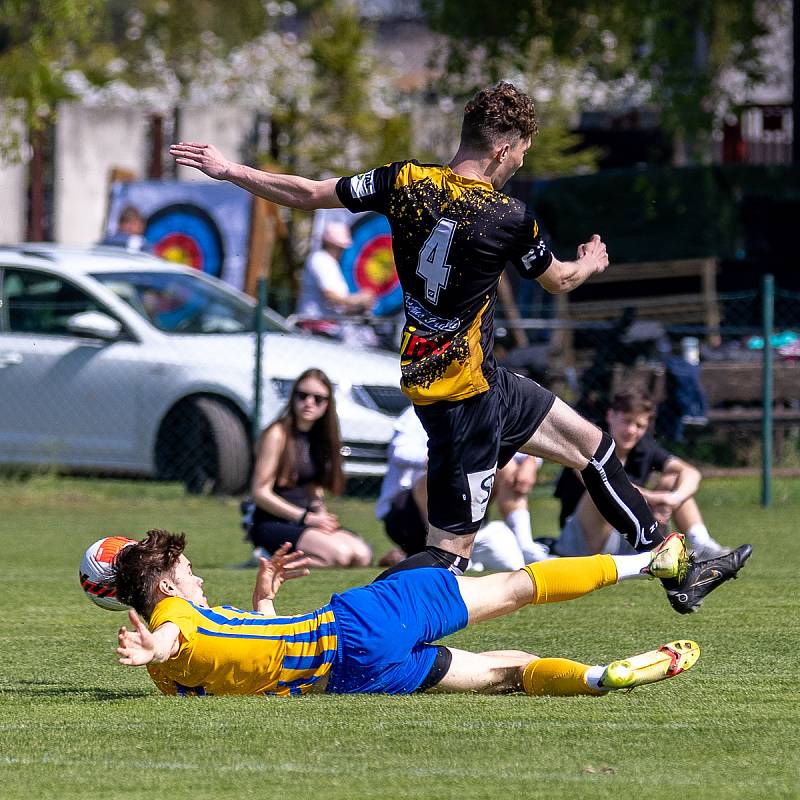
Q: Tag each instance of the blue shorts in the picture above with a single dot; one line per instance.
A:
(386, 630)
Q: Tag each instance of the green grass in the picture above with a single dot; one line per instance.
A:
(74, 724)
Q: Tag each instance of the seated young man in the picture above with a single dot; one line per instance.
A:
(584, 530)
(378, 638)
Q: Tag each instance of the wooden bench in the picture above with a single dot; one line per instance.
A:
(699, 305)
(734, 392)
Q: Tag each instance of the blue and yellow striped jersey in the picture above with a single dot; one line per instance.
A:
(224, 650)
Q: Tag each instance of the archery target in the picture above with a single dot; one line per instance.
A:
(187, 235)
(369, 263)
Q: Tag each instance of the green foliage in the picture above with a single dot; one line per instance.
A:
(73, 722)
(677, 48)
(341, 130)
(638, 210)
(183, 30)
(556, 150)
(38, 41)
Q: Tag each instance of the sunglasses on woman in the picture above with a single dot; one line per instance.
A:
(319, 399)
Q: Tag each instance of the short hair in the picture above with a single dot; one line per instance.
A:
(130, 214)
(632, 401)
(139, 567)
(497, 111)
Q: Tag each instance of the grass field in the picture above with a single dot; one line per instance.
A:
(73, 724)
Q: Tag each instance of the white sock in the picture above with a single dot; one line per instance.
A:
(592, 677)
(698, 534)
(519, 520)
(631, 566)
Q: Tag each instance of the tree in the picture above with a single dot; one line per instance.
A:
(673, 53)
(38, 42)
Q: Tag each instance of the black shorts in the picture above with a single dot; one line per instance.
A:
(468, 440)
(271, 532)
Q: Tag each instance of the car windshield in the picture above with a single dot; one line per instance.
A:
(177, 302)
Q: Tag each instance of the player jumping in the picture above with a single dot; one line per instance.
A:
(453, 232)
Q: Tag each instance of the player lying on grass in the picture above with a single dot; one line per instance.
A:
(372, 639)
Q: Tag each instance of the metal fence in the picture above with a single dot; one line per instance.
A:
(725, 401)
(84, 387)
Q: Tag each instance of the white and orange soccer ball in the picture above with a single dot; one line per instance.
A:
(97, 571)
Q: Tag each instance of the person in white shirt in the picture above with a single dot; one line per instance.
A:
(324, 293)
(402, 504)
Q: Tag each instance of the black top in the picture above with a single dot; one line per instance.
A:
(645, 458)
(307, 475)
(452, 238)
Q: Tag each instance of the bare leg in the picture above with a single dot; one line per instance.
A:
(456, 543)
(338, 549)
(490, 673)
(567, 438)
(564, 437)
(493, 596)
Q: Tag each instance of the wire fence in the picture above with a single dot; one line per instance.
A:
(90, 383)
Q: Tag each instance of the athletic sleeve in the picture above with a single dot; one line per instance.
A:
(369, 191)
(180, 613)
(530, 254)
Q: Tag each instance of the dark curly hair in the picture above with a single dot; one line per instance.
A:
(139, 567)
(495, 112)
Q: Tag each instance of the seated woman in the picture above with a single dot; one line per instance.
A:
(297, 458)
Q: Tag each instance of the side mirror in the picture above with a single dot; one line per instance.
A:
(94, 325)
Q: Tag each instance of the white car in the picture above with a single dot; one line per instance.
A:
(120, 363)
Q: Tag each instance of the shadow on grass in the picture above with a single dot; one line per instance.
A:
(38, 689)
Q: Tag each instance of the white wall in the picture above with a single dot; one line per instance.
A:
(13, 187)
(89, 142)
(227, 128)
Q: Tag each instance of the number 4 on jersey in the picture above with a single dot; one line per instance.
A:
(432, 263)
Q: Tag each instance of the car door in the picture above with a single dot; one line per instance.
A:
(64, 400)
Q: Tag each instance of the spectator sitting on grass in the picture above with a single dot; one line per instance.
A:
(584, 531)
(297, 459)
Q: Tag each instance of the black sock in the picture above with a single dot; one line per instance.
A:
(429, 557)
(618, 500)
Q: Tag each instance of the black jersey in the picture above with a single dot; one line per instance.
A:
(646, 457)
(452, 237)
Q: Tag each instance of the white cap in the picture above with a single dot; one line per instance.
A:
(337, 234)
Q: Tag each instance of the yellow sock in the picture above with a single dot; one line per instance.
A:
(557, 677)
(567, 578)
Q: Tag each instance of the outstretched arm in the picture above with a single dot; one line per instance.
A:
(273, 572)
(564, 276)
(139, 646)
(285, 190)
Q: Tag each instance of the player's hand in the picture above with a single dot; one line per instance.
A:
(663, 505)
(274, 571)
(323, 521)
(136, 647)
(595, 251)
(204, 157)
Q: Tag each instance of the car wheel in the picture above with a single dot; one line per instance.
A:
(205, 445)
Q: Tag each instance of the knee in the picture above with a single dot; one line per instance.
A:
(362, 554)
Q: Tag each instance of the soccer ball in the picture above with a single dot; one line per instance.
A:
(97, 571)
